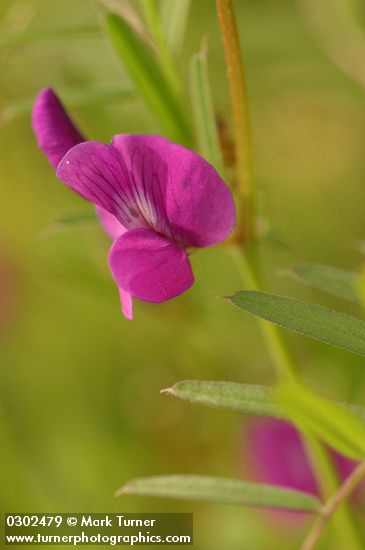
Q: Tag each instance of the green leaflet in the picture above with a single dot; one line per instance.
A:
(149, 79)
(360, 285)
(174, 18)
(153, 18)
(38, 35)
(333, 423)
(244, 398)
(204, 115)
(336, 281)
(326, 325)
(70, 222)
(221, 490)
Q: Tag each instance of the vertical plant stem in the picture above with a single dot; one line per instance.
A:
(281, 359)
(327, 478)
(332, 506)
(241, 121)
(346, 530)
(271, 333)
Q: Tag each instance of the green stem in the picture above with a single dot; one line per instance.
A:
(334, 505)
(345, 528)
(281, 359)
(240, 113)
(325, 474)
(273, 338)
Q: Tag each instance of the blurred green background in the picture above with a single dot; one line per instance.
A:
(81, 411)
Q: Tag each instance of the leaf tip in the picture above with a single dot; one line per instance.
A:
(112, 21)
(119, 492)
(130, 487)
(169, 391)
(111, 16)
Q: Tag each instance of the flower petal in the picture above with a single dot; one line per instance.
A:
(126, 303)
(54, 130)
(189, 200)
(110, 224)
(149, 182)
(149, 266)
(97, 172)
(277, 455)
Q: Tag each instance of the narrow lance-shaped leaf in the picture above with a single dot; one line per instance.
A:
(81, 219)
(242, 398)
(273, 236)
(174, 17)
(204, 115)
(40, 35)
(221, 490)
(149, 79)
(245, 398)
(336, 281)
(331, 422)
(360, 285)
(153, 17)
(318, 322)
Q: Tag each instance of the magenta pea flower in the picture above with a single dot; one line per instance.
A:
(276, 455)
(155, 198)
